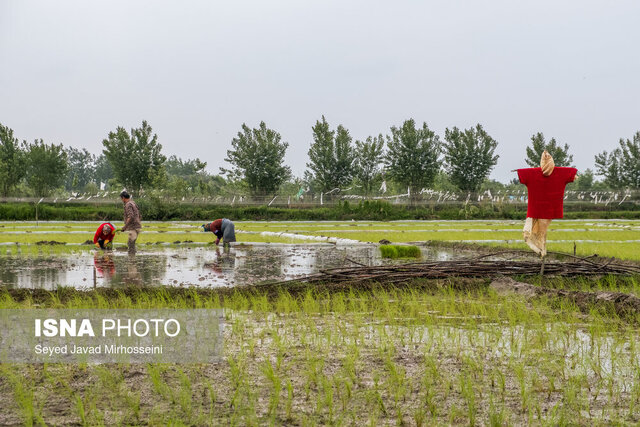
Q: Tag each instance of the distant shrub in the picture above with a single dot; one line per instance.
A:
(369, 210)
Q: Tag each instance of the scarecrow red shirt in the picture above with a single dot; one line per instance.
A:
(546, 193)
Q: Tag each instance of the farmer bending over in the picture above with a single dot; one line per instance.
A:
(132, 220)
(223, 229)
(104, 236)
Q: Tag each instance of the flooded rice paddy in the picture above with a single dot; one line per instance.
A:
(177, 253)
(190, 266)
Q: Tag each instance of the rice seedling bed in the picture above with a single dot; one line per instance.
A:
(400, 251)
(435, 353)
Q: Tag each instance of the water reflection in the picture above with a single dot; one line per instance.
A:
(223, 265)
(133, 276)
(190, 266)
(32, 272)
(104, 265)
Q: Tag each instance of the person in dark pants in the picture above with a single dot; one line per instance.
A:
(104, 236)
(223, 229)
(132, 220)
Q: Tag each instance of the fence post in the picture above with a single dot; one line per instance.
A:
(37, 210)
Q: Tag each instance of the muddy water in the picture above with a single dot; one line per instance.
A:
(192, 266)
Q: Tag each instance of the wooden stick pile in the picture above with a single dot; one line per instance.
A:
(476, 267)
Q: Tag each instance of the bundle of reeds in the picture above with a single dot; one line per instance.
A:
(475, 267)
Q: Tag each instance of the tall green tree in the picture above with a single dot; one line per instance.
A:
(136, 158)
(46, 167)
(560, 154)
(81, 168)
(585, 180)
(103, 170)
(186, 176)
(368, 162)
(344, 157)
(469, 156)
(178, 167)
(412, 156)
(621, 167)
(257, 158)
(608, 166)
(331, 157)
(12, 161)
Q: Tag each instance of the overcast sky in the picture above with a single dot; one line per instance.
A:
(71, 71)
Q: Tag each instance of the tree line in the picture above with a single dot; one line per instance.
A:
(130, 159)
(410, 157)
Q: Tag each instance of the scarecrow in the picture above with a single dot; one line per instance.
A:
(545, 186)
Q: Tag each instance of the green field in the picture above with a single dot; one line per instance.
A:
(608, 238)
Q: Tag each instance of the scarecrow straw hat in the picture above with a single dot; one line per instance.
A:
(546, 163)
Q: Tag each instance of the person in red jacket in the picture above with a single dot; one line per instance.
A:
(223, 228)
(104, 235)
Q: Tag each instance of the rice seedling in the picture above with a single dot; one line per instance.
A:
(276, 383)
(184, 395)
(496, 417)
(289, 401)
(467, 392)
(80, 410)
